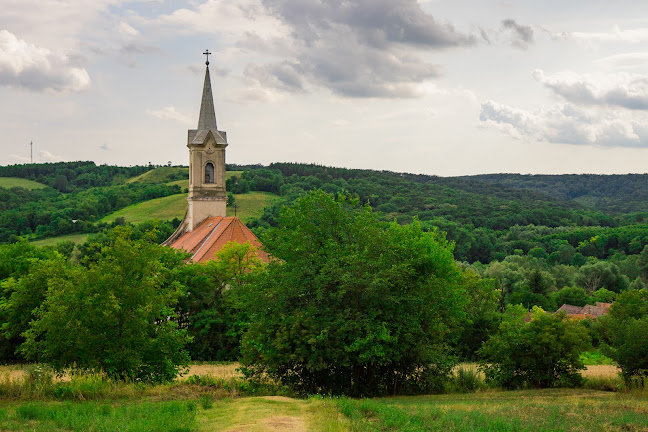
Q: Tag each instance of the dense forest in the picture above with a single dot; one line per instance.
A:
(78, 194)
(546, 240)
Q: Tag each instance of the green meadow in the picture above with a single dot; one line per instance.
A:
(160, 175)
(52, 241)
(11, 182)
(214, 398)
(248, 206)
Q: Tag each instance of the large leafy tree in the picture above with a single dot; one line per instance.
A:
(116, 315)
(349, 306)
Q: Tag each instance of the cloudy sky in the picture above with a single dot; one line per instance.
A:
(429, 86)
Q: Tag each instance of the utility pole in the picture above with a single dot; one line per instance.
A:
(31, 151)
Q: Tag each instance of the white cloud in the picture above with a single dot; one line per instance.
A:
(170, 113)
(615, 34)
(50, 157)
(126, 30)
(617, 89)
(624, 61)
(222, 17)
(18, 158)
(36, 68)
(568, 124)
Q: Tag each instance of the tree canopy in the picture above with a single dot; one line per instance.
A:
(350, 306)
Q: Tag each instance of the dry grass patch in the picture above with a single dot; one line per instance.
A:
(601, 371)
(225, 371)
(11, 372)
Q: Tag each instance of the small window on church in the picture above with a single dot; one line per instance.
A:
(209, 173)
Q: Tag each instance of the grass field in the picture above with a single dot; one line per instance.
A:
(52, 241)
(9, 182)
(159, 175)
(163, 174)
(529, 410)
(187, 406)
(249, 205)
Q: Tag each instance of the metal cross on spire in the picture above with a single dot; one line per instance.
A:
(207, 53)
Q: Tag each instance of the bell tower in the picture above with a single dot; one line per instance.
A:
(207, 195)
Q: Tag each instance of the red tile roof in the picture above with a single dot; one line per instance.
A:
(570, 309)
(586, 311)
(212, 234)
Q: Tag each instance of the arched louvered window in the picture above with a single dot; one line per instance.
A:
(209, 173)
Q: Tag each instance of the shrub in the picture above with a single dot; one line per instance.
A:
(544, 352)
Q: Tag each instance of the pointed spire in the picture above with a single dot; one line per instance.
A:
(207, 119)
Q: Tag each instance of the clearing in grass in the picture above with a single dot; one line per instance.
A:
(161, 175)
(10, 182)
(53, 241)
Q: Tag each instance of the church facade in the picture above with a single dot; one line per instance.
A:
(206, 228)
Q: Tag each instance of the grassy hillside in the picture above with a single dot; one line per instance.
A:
(9, 182)
(248, 206)
(161, 175)
(76, 238)
(184, 183)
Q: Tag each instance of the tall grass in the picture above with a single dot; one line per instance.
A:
(528, 410)
(40, 382)
(172, 416)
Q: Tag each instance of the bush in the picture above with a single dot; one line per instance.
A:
(114, 316)
(542, 353)
(349, 307)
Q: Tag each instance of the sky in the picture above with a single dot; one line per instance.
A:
(435, 87)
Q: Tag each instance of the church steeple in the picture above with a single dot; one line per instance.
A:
(207, 194)
(207, 118)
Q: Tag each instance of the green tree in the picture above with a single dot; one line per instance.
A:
(544, 352)
(482, 314)
(570, 295)
(601, 274)
(24, 272)
(211, 309)
(603, 295)
(349, 307)
(115, 316)
(624, 332)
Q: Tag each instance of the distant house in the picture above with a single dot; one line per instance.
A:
(587, 311)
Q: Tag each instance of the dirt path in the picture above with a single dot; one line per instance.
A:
(270, 414)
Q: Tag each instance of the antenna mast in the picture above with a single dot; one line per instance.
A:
(31, 151)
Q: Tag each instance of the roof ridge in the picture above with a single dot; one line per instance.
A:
(206, 239)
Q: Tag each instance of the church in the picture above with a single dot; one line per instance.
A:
(206, 228)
